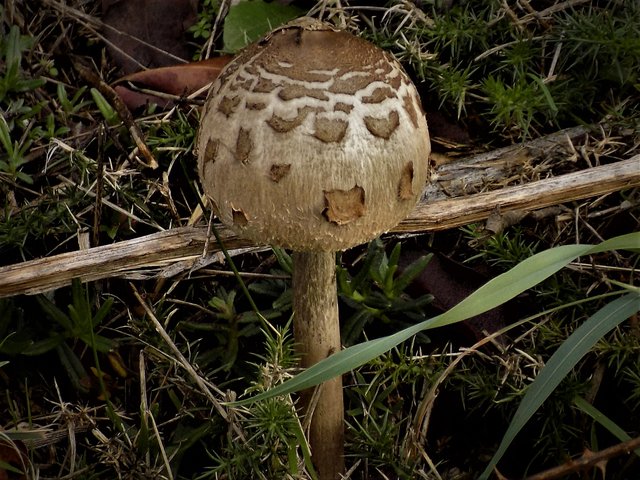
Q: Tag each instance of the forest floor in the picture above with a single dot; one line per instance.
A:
(127, 370)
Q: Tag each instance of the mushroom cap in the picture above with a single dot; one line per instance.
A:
(313, 139)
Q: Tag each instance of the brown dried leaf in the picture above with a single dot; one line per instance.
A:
(148, 33)
(14, 454)
(176, 80)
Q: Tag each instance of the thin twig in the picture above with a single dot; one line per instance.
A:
(97, 211)
(222, 13)
(123, 112)
(558, 7)
(227, 273)
(109, 204)
(90, 22)
(587, 459)
(144, 404)
(165, 458)
(184, 363)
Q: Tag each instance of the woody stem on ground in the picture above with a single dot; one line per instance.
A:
(317, 333)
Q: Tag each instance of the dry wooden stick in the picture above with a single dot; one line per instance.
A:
(184, 363)
(435, 212)
(587, 460)
(155, 250)
(455, 212)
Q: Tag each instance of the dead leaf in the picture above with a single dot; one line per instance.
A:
(15, 455)
(147, 33)
(169, 82)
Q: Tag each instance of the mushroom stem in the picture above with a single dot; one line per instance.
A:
(317, 332)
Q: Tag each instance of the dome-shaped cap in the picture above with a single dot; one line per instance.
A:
(313, 139)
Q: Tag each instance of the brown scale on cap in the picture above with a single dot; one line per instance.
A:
(342, 107)
(409, 107)
(298, 91)
(278, 171)
(379, 94)
(344, 206)
(228, 105)
(330, 130)
(244, 145)
(383, 127)
(283, 125)
(264, 86)
(256, 105)
(211, 150)
(405, 186)
(239, 217)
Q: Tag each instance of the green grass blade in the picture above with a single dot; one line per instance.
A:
(561, 362)
(10, 468)
(603, 420)
(523, 276)
(411, 273)
(527, 274)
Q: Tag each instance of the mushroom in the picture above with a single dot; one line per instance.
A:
(314, 140)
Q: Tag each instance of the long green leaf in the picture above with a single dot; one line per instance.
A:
(523, 276)
(561, 362)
